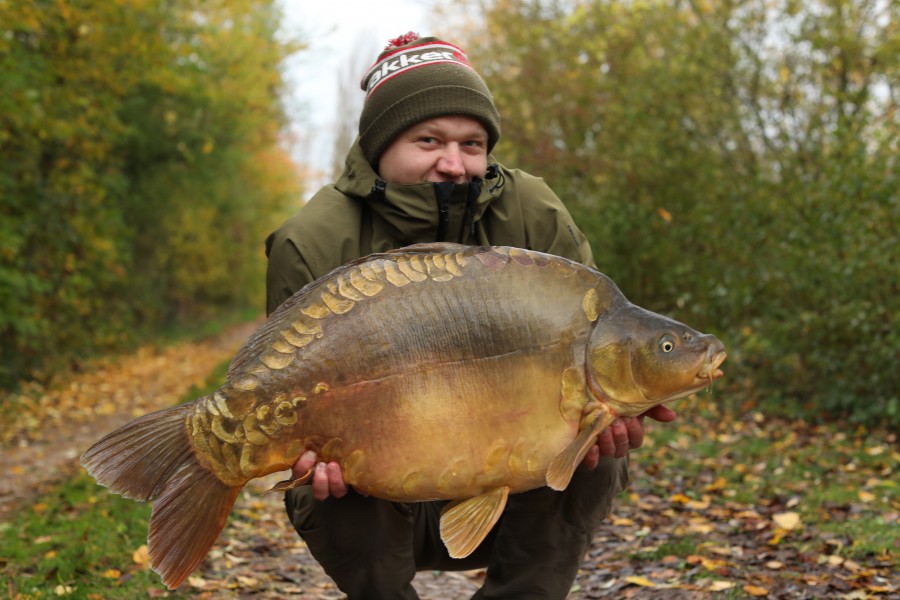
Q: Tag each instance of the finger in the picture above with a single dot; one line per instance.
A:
(661, 413)
(320, 482)
(336, 484)
(592, 458)
(605, 444)
(635, 432)
(620, 438)
(304, 464)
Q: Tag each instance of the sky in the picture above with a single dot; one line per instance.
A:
(338, 32)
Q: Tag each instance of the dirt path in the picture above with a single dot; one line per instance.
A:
(51, 428)
(258, 554)
(635, 553)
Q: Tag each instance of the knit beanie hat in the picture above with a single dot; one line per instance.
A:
(415, 79)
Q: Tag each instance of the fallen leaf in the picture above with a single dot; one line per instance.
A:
(720, 586)
(719, 484)
(755, 590)
(141, 557)
(787, 520)
(852, 566)
(112, 573)
(713, 565)
(641, 581)
(866, 496)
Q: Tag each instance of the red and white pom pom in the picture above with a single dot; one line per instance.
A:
(402, 40)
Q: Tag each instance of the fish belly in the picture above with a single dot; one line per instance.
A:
(448, 430)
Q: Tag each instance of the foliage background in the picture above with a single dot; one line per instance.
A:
(734, 164)
(141, 166)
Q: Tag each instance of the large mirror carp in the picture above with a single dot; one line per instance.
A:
(436, 371)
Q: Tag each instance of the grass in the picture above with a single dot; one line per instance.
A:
(77, 541)
(80, 541)
(840, 482)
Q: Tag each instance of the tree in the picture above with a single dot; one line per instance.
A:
(735, 161)
(141, 167)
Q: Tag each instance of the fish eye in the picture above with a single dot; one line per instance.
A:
(667, 343)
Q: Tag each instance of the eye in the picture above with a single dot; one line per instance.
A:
(667, 343)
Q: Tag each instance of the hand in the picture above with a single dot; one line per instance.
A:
(625, 433)
(328, 480)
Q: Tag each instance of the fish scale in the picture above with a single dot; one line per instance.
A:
(436, 371)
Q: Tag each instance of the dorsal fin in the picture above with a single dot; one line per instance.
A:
(430, 247)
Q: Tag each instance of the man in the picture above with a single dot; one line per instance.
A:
(421, 171)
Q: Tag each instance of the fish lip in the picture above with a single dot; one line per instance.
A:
(710, 369)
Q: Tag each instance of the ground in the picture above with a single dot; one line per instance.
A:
(667, 538)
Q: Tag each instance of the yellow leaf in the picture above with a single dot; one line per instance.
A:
(720, 586)
(680, 498)
(701, 528)
(112, 573)
(866, 496)
(197, 582)
(787, 520)
(774, 565)
(778, 536)
(50, 554)
(141, 557)
(713, 565)
(641, 581)
(623, 522)
(755, 590)
(719, 484)
(666, 215)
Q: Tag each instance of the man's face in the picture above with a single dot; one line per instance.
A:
(449, 148)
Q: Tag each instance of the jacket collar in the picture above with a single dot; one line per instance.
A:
(422, 212)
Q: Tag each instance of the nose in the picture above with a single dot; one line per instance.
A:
(450, 162)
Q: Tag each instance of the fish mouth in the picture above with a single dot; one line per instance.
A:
(710, 369)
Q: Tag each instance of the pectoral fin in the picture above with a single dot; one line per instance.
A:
(560, 472)
(289, 484)
(465, 523)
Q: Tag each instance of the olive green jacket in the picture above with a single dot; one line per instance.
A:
(361, 214)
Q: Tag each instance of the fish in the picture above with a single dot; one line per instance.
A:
(433, 372)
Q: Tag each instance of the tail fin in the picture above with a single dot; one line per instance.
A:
(152, 458)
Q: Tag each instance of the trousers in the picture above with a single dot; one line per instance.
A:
(372, 547)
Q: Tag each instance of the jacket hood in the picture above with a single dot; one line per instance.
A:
(421, 212)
